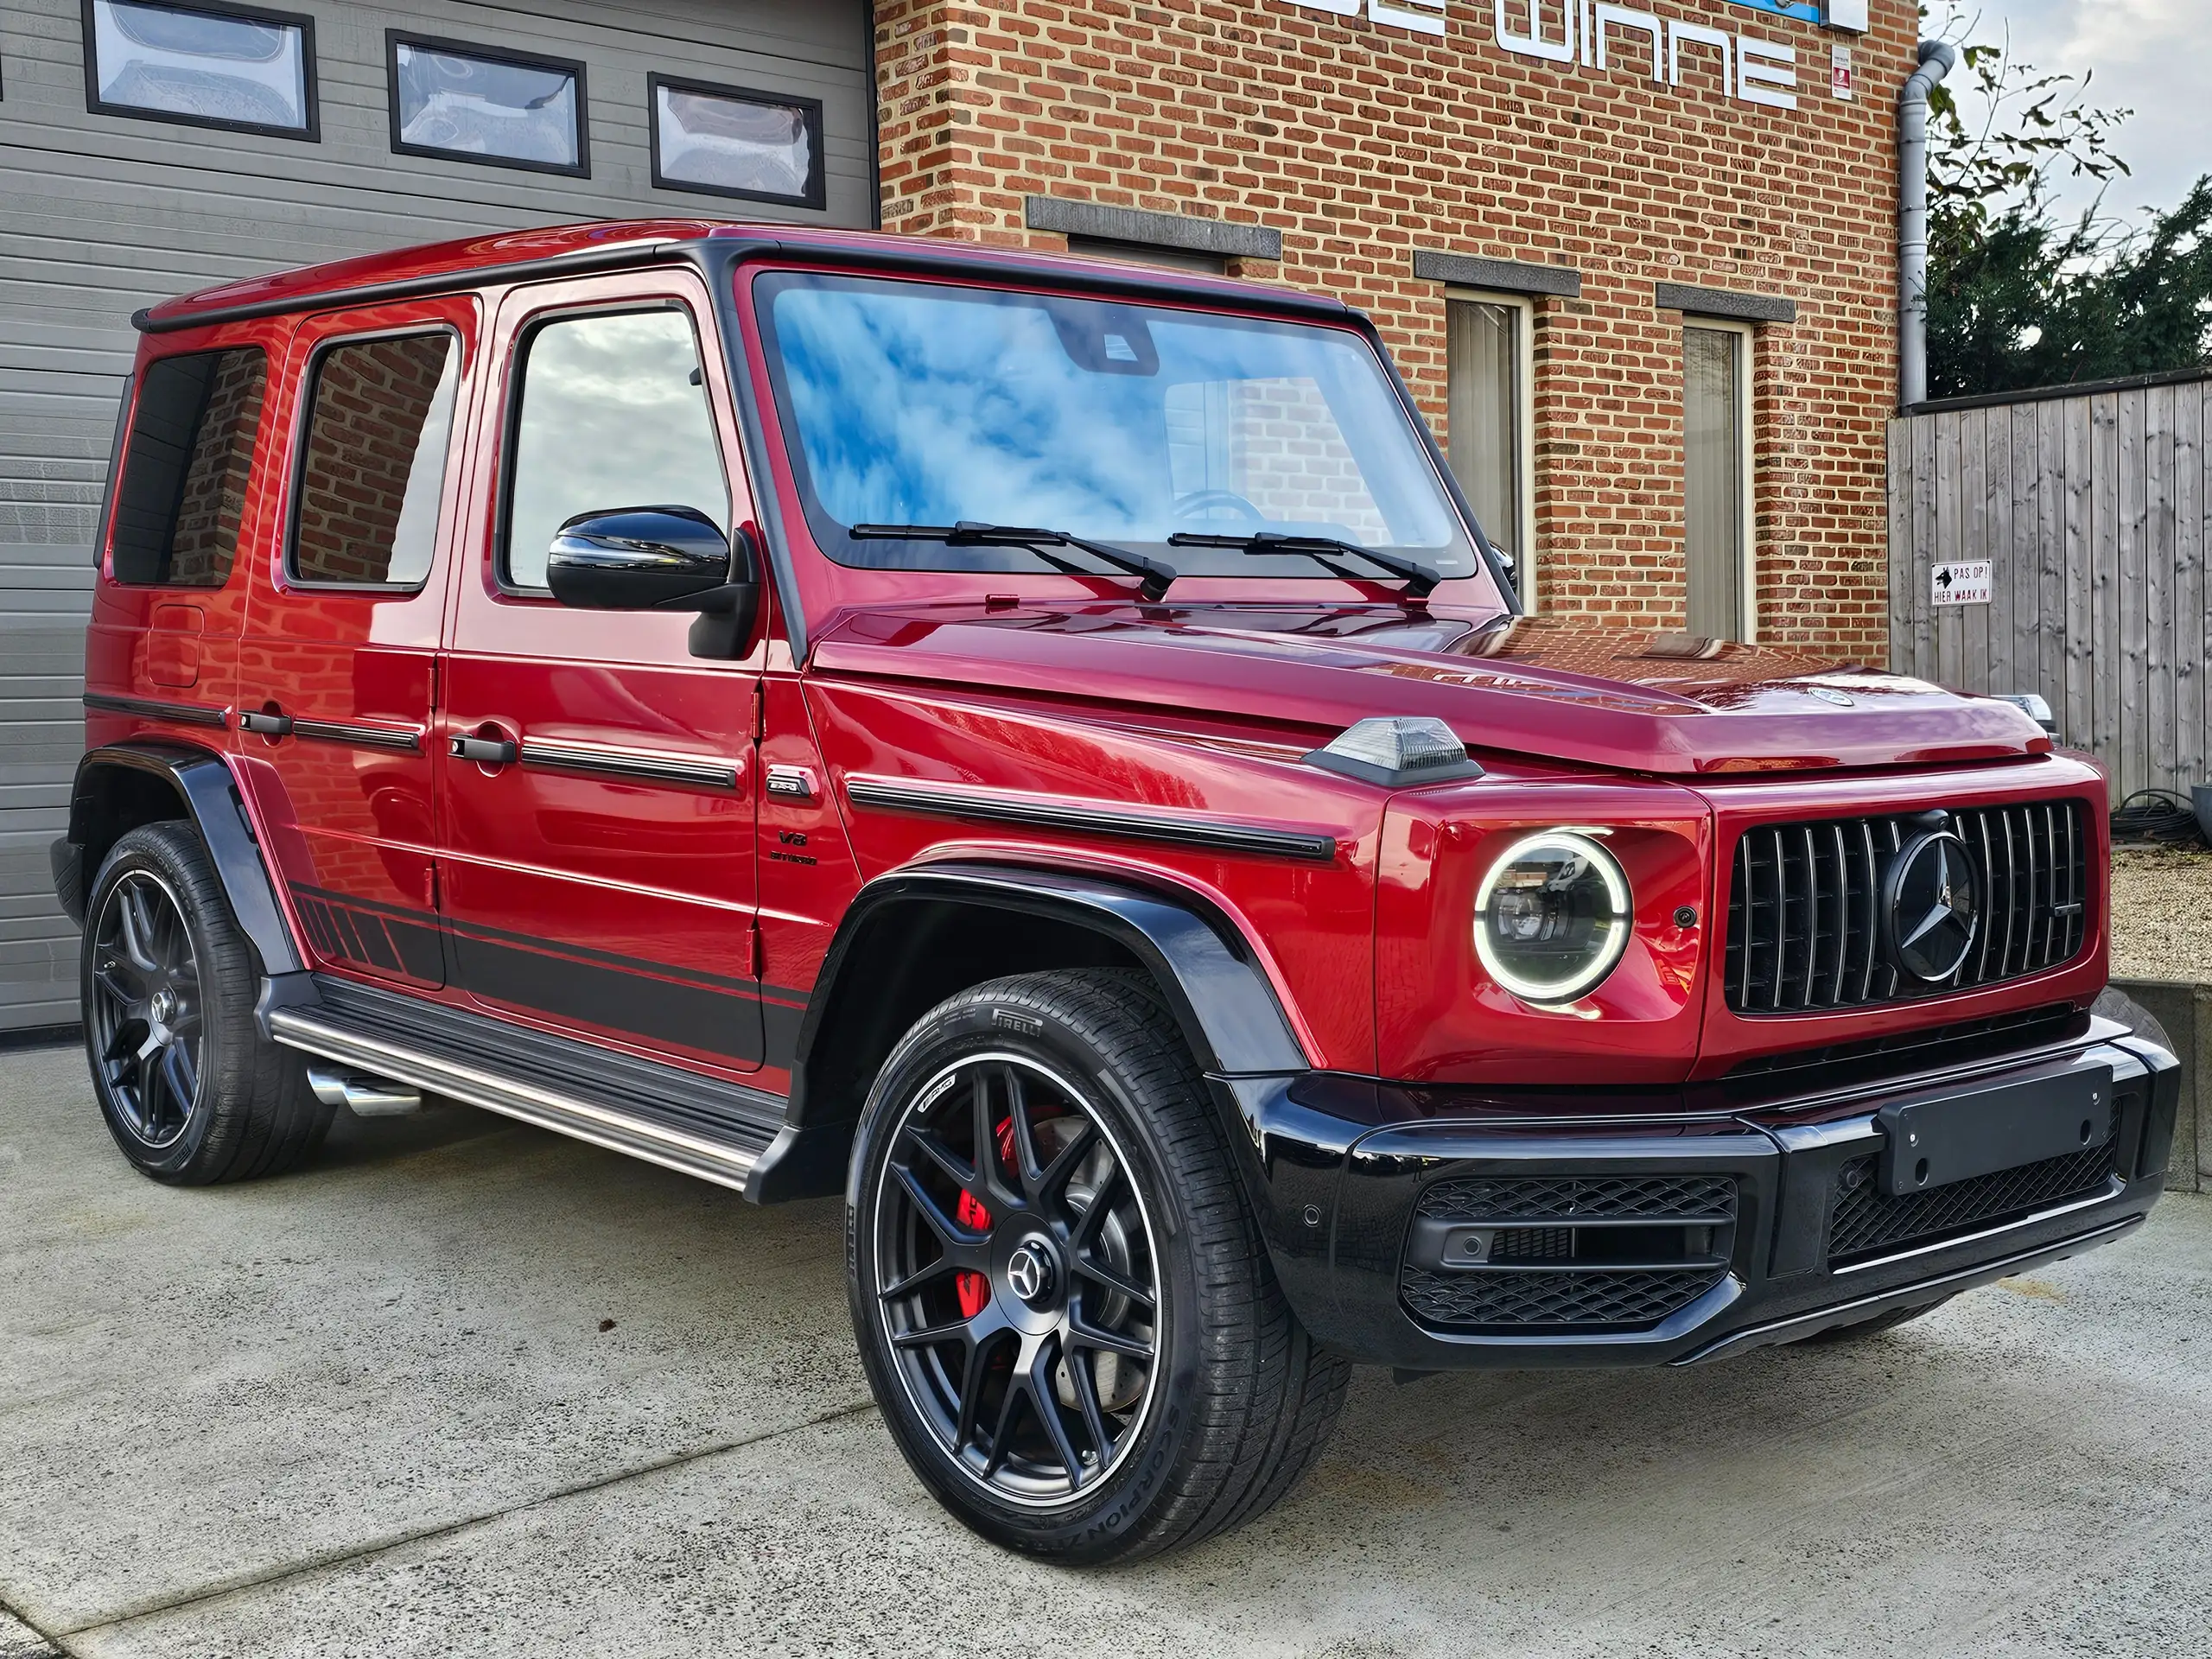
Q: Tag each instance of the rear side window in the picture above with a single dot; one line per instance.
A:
(373, 469)
(185, 467)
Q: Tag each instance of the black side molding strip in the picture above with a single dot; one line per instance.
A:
(185, 714)
(403, 739)
(999, 806)
(698, 770)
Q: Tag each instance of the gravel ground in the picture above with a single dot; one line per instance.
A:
(2161, 914)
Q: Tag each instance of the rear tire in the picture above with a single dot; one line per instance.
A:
(1170, 1394)
(191, 1090)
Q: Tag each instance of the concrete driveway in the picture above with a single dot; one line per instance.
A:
(465, 1388)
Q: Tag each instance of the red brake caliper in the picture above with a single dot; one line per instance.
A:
(974, 1290)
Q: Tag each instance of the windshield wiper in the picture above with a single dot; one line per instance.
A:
(1420, 579)
(1155, 574)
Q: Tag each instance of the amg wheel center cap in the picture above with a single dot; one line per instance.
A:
(1029, 1273)
(162, 1008)
(1934, 907)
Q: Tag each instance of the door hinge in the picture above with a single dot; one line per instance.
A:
(430, 887)
(755, 953)
(759, 709)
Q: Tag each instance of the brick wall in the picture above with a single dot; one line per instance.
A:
(1362, 142)
(370, 403)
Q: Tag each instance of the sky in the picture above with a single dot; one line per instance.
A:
(2152, 56)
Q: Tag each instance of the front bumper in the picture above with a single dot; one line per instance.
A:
(1435, 1230)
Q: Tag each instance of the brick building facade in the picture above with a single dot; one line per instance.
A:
(1634, 186)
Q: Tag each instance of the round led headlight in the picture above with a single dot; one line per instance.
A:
(1552, 916)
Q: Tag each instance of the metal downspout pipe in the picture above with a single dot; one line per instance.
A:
(1937, 60)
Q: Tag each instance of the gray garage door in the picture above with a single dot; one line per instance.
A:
(102, 213)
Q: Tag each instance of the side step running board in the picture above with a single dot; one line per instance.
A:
(722, 1162)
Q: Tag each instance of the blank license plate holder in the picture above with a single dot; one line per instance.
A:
(1931, 1143)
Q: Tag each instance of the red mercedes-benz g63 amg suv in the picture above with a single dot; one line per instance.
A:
(1043, 749)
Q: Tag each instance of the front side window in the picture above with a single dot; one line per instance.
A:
(181, 499)
(211, 65)
(373, 469)
(1716, 479)
(912, 405)
(728, 142)
(1487, 361)
(453, 99)
(608, 412)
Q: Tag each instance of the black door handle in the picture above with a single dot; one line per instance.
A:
(269, 725)
(485, 751)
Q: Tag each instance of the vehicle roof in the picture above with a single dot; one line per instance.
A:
(611, 243)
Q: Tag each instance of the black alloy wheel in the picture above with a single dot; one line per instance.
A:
(191, 1090)
(1064, 1308)
(1017, 1278)
(143, 1016)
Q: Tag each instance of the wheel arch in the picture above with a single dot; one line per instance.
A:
(915, 937)
(122, 786)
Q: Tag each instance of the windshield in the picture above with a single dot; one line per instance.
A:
(915, 405)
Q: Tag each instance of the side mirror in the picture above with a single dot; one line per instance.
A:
(659, 559)
(637, 559)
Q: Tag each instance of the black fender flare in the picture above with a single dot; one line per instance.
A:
(208, 791)
(1212, 980)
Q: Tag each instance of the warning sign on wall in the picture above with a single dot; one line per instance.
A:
(1963, 584)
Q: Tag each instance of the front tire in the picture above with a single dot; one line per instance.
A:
(1063, 1302)
(190, 1090)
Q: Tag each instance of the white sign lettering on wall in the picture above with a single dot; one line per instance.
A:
(1591, 34)
(1422, 17)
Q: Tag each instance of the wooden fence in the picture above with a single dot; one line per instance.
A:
(2095, 512)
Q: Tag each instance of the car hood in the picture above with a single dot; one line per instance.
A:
(1635, 702)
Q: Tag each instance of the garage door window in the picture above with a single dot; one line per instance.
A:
(727, 141)
(373, 466)
(182, 497)
(452, 100)
(208, 64)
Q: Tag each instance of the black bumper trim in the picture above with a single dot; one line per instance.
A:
(1339, 1168)
(1922, 1291)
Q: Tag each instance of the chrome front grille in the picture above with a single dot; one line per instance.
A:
(1806, 903)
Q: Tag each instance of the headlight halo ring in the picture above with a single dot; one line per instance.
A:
(1591, 973)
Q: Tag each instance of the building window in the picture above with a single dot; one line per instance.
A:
(1490, 355)
(209, 65)
(608, 411)
(452, 100)
(182, 497)
(1717, 480)
(727, 141)
(372, 470)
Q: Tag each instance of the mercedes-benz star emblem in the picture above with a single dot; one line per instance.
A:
(1934, 907)
(1029, 1273)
